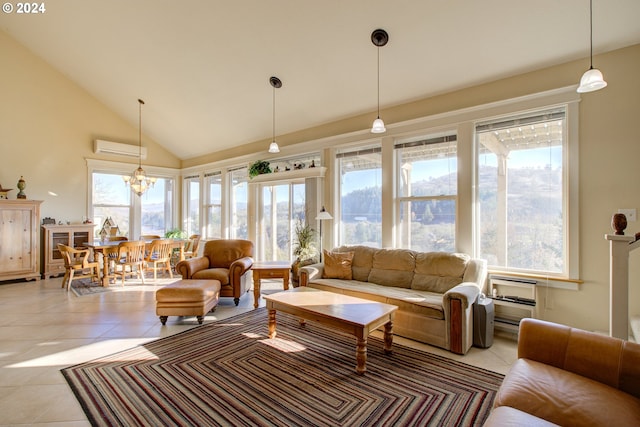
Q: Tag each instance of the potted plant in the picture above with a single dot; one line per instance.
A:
(304, 249)
(259, 167)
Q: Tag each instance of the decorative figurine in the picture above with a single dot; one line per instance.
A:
(4, 191)
(21, 184)
(313, 164)
(619, 223)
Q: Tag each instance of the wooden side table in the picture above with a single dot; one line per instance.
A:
(269, 270)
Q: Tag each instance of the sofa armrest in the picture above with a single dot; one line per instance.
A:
(605, 359)
(457, 304)
(466, 292)
(310, 272)
(188, 267)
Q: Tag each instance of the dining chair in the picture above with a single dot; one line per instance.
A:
(130, 254)
(149, 237)
(77, 264)
(112, 255)
(158, 257)
(191, 246)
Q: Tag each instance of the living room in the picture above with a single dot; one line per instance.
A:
(49, 122)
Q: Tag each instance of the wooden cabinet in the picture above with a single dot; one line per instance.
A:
(19, 255)
(70, 235)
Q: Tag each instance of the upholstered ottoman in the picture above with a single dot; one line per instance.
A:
(187, 298)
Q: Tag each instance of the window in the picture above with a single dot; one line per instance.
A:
(213, 207)
(156, 208)
(239, 195)
(111, 199)
(427, 191)
(360, 196)
(191, 185)
(282, 205)
(152, 213)
(522, 196)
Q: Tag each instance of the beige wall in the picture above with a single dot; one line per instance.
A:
(47, 125)
(609, 167)
(47, 128)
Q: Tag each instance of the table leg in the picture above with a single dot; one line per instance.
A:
(256, 288)
(272, 323)
(285, 280)
(105, 269)
(388, 337)
(361, 355)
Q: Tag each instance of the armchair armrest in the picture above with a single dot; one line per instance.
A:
(605, 359)
(188, 267)
(310, 272)
(239, 267)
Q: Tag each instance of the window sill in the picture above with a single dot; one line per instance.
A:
(317, 172)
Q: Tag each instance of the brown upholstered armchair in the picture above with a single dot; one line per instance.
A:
(226, 260)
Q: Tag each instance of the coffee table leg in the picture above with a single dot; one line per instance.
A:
(272, 323)
(388, 337)
(256, 288)
(361, 355)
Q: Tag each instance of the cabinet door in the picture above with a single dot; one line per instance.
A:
(79, 238)
(15, 240)
(58, 237)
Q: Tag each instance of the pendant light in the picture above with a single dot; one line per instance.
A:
(592, 79)
(276, 83)
(138, 180)
(379, 38)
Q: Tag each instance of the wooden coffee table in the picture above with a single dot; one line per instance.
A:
(269, 270)
(356, 316)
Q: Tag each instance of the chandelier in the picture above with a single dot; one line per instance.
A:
(138, 180)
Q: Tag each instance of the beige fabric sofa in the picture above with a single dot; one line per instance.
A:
(567, 376)
(434, 291)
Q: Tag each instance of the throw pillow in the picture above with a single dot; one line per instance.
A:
(337, 265)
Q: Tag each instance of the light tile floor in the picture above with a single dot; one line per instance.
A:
(44, 328)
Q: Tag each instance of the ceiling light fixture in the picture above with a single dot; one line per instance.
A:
(276, 83)
(138, 180)
(592, 79)
(379, 38)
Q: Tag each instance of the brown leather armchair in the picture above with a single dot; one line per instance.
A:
(226, 260)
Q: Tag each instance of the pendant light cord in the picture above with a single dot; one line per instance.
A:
(591, 33)
(274, 114)
(378, 81)
(140, 102)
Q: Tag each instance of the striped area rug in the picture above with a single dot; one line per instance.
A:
(229, 373)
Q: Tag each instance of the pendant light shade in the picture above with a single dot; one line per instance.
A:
(378, 126)
(592, 79)
(138, 180)
(276, 83)
(379, 38)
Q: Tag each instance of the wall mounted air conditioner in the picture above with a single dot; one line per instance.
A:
(117, 149)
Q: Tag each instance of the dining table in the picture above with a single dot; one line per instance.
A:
(106, 247)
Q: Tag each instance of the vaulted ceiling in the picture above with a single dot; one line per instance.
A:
(203, 66)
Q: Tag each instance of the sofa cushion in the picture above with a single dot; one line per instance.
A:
(418, 302)
(337, 265)
(393, 267)
(439, 271)
(563, 398)
(362, 260)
